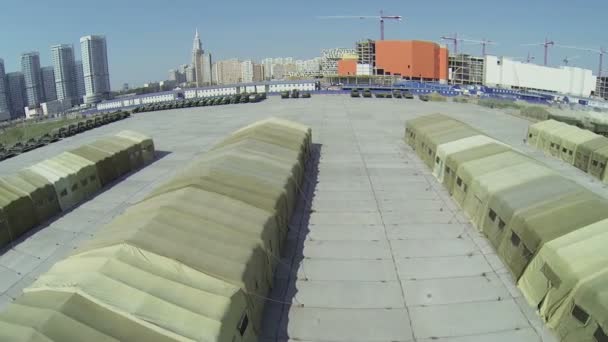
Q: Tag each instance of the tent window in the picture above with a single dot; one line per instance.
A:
(465, 188)
(437, 160)
(600, 335)
(580, 315)
(594, 162)
(447, 170)
(492, 215)
(552, 145)
(501, 224)
(459, 181)
(64, 192)
(243, 323)
(564, 149)
(430, 151)
(530, 135)
(515, 239)
(74, 187)
(570, 152)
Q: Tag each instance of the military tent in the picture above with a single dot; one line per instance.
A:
(103, 161)
(412, 127)
(504, 204)
(136, 159)
(454, 160)
(487, 184)
(65, 181)
(583, 153)
(40, 190)
(597, 164)
(544, 136)
(434, 127)
(85, 170)
(572, 142)
(145, 143)
(16, 214)
(535, 130)
(434, 140)
(120, 153)
(561, 265)
(447, 149)
(530, 229)
(469, 171)
(553, 144)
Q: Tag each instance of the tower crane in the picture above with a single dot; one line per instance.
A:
(484, 42)
(380, 17)
(546, 45)
(454, 39)
(567, 59)
(601, 52)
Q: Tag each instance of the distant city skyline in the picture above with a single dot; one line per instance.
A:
(253, 31)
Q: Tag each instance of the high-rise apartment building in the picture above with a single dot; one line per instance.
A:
(228, 71)
(258, 72)
(80, 88)
(65, 74)
(48, 83)
(5, 110)
(207, 70)
(247, 71)
(95, 67)
(201, 63)
(15, 82)
(30, 66)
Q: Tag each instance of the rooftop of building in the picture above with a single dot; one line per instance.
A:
(384, 254)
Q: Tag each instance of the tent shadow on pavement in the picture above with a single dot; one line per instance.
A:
(282, 296)
(158, 155)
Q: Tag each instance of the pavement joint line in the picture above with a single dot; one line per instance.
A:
(395, 268)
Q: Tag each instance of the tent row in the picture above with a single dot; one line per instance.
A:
(34, 194)
(576, 146)
(193, 261)
(547, 230)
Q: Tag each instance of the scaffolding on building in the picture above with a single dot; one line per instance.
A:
(330, 58)
(601, 88)
(366, 53)
(465, 69)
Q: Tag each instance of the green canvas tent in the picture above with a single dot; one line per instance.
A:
(120, 154)
(104, 162)
(146, 144)
(469, 171)
(583, 153)
(65, 181)
(530, 229)
(454, 160)
(504, 204)
(447, 149)
(432, 127)
(136, 159)
(40, 190)
(16, 214)
(572, 142)
(434, 140)
(561, 265)
(412, 125)
(535, 130)
(86, 173)
(597, 164)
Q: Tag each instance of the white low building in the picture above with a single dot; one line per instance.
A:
(507, 73)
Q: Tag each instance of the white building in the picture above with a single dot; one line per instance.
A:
(507, 73)
(95, 66)
(65, 73)
(247, 71)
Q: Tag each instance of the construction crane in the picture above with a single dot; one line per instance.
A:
(484, 42)
(380, 17)
(454, 39)
(546, 45)
(601, 52)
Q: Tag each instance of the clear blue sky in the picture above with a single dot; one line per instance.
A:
(146, 38)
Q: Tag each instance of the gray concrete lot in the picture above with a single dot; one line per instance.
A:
(377, 251)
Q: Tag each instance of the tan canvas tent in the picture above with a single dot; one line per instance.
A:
(544, 136)
(40, 190)
(85, 171)
(104, 162)
(572, 142)
(485, 185)
(192, 262)
(432, 139)
(504, 204)
(583, 153)
(422, 132)
(535, 130)
(120, 154)
(16, 214)
(529, 230)
(412, 126)
(454, 160)
(146, 144)
(136, 159)
(469, 171)
(597, 164)
(553, 144)
(64, 180)
(447, 149)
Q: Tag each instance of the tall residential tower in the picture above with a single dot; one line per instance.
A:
(15, 82)
(5, 110)
(48, 83)
(30, 66)
(201, 62)
(65, 74)
(95, 66)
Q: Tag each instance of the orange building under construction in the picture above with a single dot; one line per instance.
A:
(412, 59)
